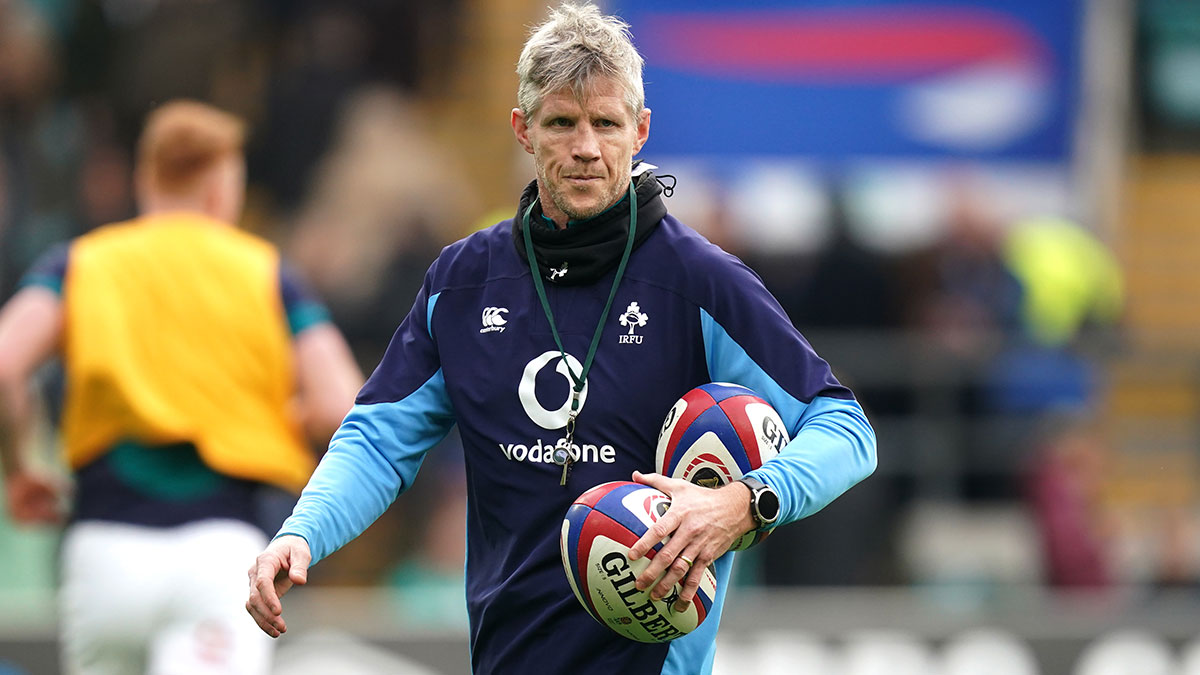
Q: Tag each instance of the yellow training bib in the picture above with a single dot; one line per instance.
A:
(175, 331)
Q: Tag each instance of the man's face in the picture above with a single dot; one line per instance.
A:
(582, 149)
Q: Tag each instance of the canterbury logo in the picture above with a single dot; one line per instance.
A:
(493, 319)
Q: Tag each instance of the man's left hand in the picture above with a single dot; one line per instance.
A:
(702, 524)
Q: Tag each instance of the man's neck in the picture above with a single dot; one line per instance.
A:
(552, 213)
(171, 206)
(177, 206)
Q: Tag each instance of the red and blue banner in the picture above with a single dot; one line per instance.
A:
(977, 79)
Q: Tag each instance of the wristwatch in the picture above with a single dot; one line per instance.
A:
(764, 502)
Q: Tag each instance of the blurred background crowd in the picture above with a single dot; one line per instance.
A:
(982, 213)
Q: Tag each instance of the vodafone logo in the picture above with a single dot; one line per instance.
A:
(526, 391)
(539, 452)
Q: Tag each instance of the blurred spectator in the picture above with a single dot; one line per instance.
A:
(27, 63)
(104, 185)
(1168, 64)
(165, 50)
(327, 51)
(960, 292)
(1071, 280)
(38, 140)
(851, 286)
(383, 202)
(1071, 286)
(322, 59)
(1065, 482)
(962, 301)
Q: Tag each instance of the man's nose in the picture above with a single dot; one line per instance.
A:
(586, 144)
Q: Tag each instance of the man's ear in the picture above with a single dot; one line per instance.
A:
(643, 130)
(521, 129)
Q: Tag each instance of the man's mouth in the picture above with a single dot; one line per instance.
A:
(582, 182)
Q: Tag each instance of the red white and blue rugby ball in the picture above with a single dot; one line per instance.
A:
(716, 434)
(597, 533)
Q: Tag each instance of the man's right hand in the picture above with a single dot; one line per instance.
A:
(33, 499)
(284, 563)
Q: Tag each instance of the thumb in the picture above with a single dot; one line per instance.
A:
(298, 569)
(652, 479)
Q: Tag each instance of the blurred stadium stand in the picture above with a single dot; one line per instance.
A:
(1002, 534)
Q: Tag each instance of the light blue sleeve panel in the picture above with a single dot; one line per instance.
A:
(373, 457)
(693, 654)
(832, 447)
(833, 451)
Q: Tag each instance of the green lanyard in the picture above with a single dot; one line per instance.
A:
(562, 452)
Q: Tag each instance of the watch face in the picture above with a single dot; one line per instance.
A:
(768, 505)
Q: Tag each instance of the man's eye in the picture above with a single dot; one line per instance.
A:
(560, 122)
(605, 123)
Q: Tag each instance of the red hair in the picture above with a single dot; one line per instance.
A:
(182, 140)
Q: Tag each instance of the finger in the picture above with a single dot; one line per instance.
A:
(691, 584)
(271, 622)
(264, 584)
(676, 571)
(654, 535)
(267, 625)
(268, 599)
(256, 614)
(647, 541)
(653, 571)
(254, 601)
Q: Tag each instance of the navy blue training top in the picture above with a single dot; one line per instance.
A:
(476, 350)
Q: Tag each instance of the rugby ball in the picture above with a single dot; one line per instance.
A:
(716, 434)
(597, 533)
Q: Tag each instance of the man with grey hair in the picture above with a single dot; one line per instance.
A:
(513, 339)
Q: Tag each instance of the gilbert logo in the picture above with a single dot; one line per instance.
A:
(493, 319)
(633, 317)
(772, 436)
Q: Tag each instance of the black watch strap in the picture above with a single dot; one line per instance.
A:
(764, 502)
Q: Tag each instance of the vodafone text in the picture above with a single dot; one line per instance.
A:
(544, 452)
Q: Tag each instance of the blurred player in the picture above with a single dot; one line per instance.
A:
(520, 335)
(195, 366)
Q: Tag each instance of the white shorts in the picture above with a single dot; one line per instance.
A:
(162, 601)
